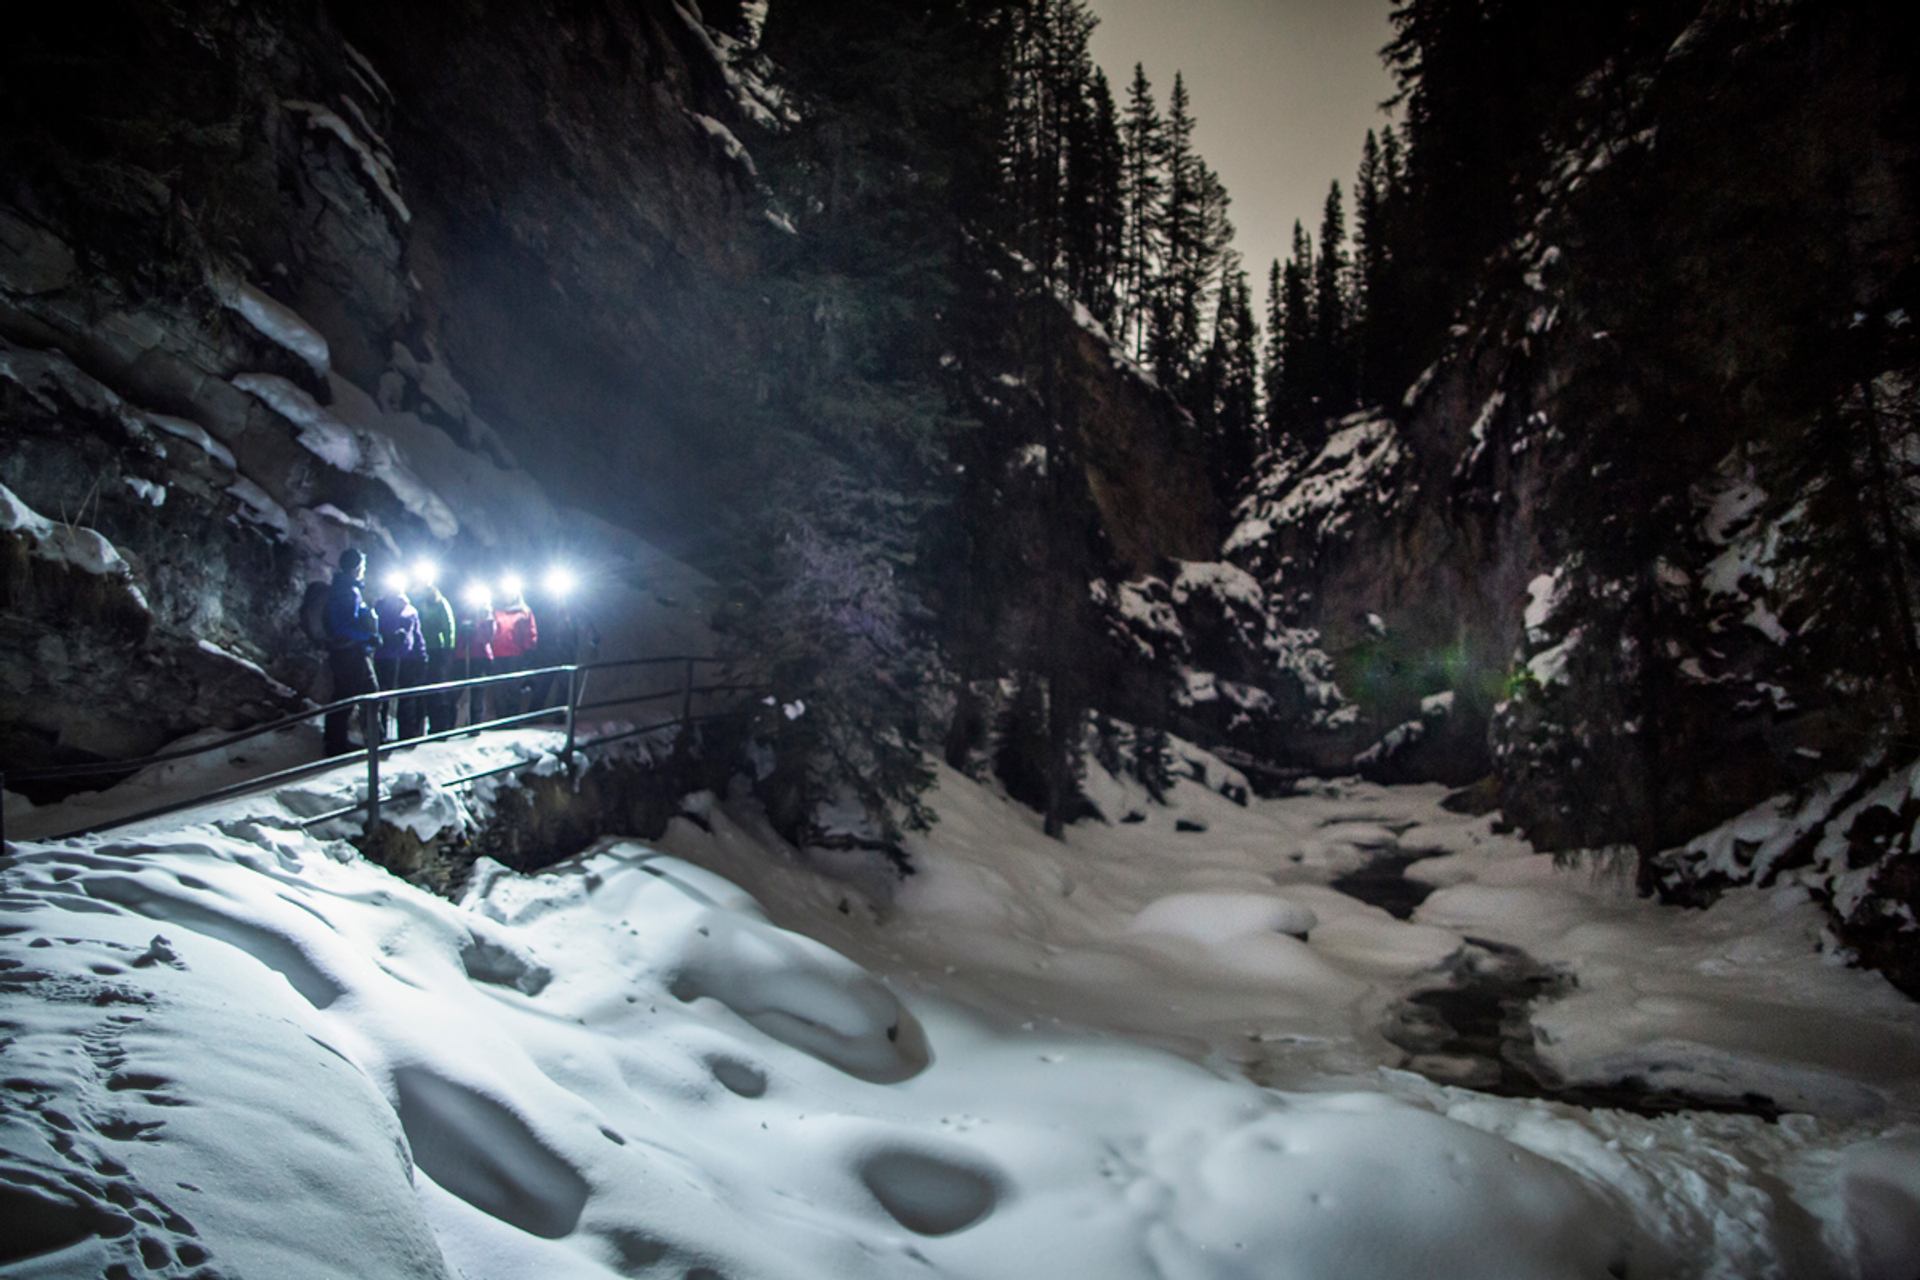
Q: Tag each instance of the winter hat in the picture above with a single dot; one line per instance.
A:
(351, 559)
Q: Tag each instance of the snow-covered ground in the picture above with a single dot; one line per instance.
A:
(232, 1048)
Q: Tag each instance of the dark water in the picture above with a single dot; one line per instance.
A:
(1475, 1032)
(1383, 882)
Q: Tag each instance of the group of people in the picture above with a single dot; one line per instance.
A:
(412, 635)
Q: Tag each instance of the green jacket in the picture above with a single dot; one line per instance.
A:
(436, 619)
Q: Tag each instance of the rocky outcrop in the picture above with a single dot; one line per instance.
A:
(1139, 452)
(587, 216)
(1443, 543)
(229, 307)
(1583, 522)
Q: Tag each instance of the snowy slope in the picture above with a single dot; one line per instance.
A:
(235, 1047)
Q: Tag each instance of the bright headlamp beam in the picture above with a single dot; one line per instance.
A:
(511, 586)
(396, 582)
(560, 581)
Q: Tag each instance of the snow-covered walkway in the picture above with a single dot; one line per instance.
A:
(235, 1049)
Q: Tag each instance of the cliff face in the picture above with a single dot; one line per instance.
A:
(279, 278)
(588, 216)
(1592, 521)
(229, 318)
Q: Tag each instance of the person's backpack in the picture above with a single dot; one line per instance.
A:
(313, 613)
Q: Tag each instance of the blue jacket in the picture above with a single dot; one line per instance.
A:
(400, 637)
(350, 623)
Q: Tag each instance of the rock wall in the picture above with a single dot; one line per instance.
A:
(279, 278)
(588, 221)
(240, 265)
(1574, 525)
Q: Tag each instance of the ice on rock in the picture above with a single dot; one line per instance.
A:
(377, 168)
(154, 495)
(341, 445)
(253, 668)
(194, 434)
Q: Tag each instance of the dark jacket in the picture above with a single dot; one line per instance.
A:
(351, 625)
(400, 637)
(565, 634)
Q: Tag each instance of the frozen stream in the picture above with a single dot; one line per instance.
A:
(1152, 1050)
(1475, 1031)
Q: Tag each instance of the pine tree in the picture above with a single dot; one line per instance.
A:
(1153, 762)
(1369, 265)
(1173, 312)
(1393, 161)
(1273, 369)
(1846, 492)
(1334, 391)
(1477, 79)
(1232, 380)
(1097, 214)
(1020, 744)
(1390, 349)
(1296, 419)
(850, 441)
(1055, 163)
(1143, 144)
(1212, 244)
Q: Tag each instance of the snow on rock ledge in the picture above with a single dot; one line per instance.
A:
(361, 452)
(1362, 468)
(75, 547)
(276, 323)
(1849, 839)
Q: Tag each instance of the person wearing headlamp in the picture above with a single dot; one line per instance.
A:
(563, 637)
(352, 632)
(473, 646)
(438, 629)
(516, 634)
(402, 655)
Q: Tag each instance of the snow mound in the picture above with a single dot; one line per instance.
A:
(1292, 1184)
(233, 1044)
(1209, 917)
(801, 994)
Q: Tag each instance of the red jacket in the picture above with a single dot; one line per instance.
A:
(473, 637)
(515, 634)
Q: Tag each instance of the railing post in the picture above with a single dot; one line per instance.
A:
(576, 678)
(686, 703)
(370, 730)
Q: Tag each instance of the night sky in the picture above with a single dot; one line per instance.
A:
(1284, 91)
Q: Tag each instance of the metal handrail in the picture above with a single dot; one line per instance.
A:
(369, 705)
(95, 767)
(468, 779)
